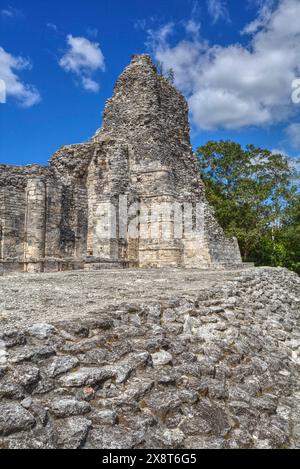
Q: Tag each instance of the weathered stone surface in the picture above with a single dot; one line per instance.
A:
(104, 417)
(161, 358)
(10, 390)
(3, 356)
(72, 433)
(27, 403)
(115, 438)
(164, 438)
(227, 377)
(86, 376)
(61, 365)
(68, 407)
(27, 375)
(41, 331)
(163, 402)
(43, 387)
(14, 418)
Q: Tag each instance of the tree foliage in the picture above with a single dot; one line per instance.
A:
(168, 74)
(255, 200)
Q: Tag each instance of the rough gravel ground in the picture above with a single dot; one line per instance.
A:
(150, 359)
(25, 299)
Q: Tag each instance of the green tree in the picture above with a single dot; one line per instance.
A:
(290, 235)
(252, 193)
(168, 74)
(160, 68)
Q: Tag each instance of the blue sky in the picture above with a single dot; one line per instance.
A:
(235, 61)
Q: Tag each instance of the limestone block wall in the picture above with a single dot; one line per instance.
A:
(43, 215)
(107, 180)
(196, 252)
(158, 255)
(13, 198)
(53, 218)
(35, 223)
(73, 220)
(69, 167)
(226, 251)
(13, 220)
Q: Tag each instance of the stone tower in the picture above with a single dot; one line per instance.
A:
(132, 196)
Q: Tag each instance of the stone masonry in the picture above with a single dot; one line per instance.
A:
(67, 215)
(156, 358)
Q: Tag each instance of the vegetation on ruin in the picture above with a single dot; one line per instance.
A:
(256, 197)
(169, 74)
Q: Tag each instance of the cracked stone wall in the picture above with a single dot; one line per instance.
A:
(57, 216)
(217, 369)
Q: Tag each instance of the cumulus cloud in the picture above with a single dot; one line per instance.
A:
(27, 95)
(83, 58)
(293, 134)
(236, 86)
(218, 10)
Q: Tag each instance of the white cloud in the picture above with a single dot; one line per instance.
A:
(193, 27)
(83, 58)
(218, 10)
(27, 95)
(265, 11)
(10, 13)
(280, 151)
(52, 26)
(90, 85)
(158, 39)
(293, 134)
(82, 55)
(6, 13)
(294, 163)
(236, 86)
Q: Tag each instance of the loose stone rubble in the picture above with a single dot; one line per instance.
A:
(213, 364)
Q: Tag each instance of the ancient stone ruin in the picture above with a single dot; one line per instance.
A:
(131, 197)
(176, 358)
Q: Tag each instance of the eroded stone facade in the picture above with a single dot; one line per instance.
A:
(68, 214)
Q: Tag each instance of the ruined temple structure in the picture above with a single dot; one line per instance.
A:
(57, 217)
